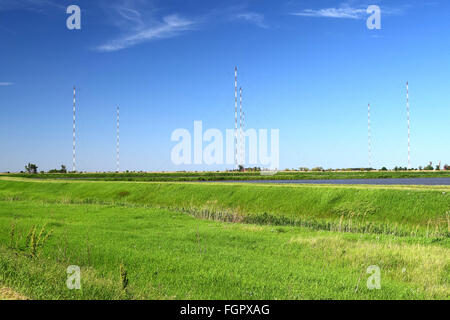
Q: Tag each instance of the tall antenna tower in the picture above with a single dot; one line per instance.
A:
(74, 141)
(369, 136)
(118, 141)
(235, 120)
(241, 132)
(243, 140)
(409, 125)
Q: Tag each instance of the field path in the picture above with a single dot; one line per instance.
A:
(365, 183)
(8, 294)
(381, 182)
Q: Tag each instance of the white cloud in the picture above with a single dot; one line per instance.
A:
(341, 13)
(34, 5)
(127, 17)
(170, 26)
(140, 21)
(347, 10)
(5, 84)
(252, 17)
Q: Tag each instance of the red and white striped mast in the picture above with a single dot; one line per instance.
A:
(74, 140)
(235, 120)
(240, 129)
(369, 136)
(243, 140)
(409, 125)
(118, 141)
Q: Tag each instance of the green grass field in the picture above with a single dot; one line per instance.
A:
(214, 241)
(223, 176)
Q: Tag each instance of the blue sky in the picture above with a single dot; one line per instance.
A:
(307, 68)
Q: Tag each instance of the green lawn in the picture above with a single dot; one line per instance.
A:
(153, 231)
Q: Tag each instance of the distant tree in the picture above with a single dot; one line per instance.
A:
(429, 166)
(31, 168)
(446, 167)
(62, 170)
(384, 169)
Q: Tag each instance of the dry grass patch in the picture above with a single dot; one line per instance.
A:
(425, 266)
(8, 294)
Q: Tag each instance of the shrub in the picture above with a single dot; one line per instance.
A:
(35, 241)
(429, 166)
(123, 277)
(31, 168)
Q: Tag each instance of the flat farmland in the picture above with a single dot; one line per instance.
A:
(236, 176)
(186, 240)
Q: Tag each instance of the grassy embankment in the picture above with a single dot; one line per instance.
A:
(169, 255)
(398, 210)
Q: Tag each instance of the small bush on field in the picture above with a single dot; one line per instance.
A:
(429, 166)
(35, 241)
(123, 277)
(123, 194)
(348, 209)
(12, 235)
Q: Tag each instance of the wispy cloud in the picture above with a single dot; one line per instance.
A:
(127, 14)
(344, 12)
(347, 10)
(33, 5)
(5, 84)
(170, 26)
(252, 17)
(139, 21)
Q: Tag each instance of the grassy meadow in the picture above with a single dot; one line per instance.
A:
(236, 176)
(186, 240)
